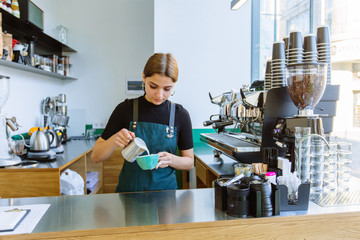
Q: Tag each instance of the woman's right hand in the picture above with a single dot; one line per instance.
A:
(123, 137)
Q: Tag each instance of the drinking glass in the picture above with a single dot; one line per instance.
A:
(243, 168)
(317, 158)
(344, 165)
(330, 169)
(302, 153)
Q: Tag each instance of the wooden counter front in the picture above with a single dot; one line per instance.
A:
(178, 214)
(327, 226)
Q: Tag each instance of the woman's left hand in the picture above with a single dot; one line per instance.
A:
(164, 160)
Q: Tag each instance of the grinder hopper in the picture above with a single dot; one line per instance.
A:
(306, 83)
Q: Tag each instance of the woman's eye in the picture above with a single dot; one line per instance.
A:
(168, 89)
(153, 87)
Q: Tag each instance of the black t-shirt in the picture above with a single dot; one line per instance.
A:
(148, 112)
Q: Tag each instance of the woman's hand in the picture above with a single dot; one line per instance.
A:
(123, 137)
(164, 160)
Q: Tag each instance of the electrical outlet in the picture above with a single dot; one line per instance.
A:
(99, 125)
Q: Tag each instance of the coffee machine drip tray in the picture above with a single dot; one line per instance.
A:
(237, 148)
(47, 156)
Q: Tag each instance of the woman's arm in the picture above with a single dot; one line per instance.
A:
(103, 149)
(183, 162)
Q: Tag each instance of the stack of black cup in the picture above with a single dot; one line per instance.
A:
(295, 48)
(323, 47)
(268, 75)
(221, 194)
(238, 200)
(278, 64)
(286, 44)
(265, 188)
(310, 49)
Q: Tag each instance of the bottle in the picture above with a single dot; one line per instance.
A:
(8, 6)
(3, 5)
(15, 8)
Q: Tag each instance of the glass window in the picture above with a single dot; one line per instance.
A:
(276, 18)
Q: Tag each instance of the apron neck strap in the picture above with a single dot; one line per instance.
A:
(172, 115)
(135, 113)
(170, 129)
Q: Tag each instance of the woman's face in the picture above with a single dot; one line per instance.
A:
(158, 88)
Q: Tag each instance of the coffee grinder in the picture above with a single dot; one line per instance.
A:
(7, 157)
(306, 83)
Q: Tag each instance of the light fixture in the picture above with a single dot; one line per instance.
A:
(236, 4)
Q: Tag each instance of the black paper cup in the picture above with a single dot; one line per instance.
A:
(286, 42)
(278, 50)
(310, 43)
(323, 34)
(295, 40)
(268, 66)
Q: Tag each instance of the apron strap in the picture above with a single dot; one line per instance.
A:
(170, 129)
(135, 113)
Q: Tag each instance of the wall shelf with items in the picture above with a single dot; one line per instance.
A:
(34, 70)
(44, 45)
(25, 31)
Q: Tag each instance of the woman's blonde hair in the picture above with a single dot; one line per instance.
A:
(163, 64)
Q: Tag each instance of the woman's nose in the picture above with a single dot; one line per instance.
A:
(159, 93)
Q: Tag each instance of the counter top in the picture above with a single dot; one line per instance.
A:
(44, 179)
(162, 208)
(222, 166)
(177, 214)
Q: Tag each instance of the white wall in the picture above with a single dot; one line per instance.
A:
(112, 40)
(212, 47)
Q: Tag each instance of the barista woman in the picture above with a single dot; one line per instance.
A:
(163, 125)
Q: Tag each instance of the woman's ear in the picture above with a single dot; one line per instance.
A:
(143, 77)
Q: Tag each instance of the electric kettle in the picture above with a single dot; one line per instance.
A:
(57, 139)
(39, 141)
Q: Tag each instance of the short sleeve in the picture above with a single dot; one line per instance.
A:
(185, 140)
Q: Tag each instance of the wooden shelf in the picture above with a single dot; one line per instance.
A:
(34, 70)
(26, 31)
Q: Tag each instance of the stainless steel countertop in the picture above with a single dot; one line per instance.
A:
(68, 213)
(223, 166)
(72, 150)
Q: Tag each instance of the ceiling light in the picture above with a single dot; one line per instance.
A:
(236, 4)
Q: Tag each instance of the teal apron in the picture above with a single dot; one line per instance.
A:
(158, 138)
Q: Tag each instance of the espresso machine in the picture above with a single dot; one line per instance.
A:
(7, 157)
(242, 112)
(268, 118)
